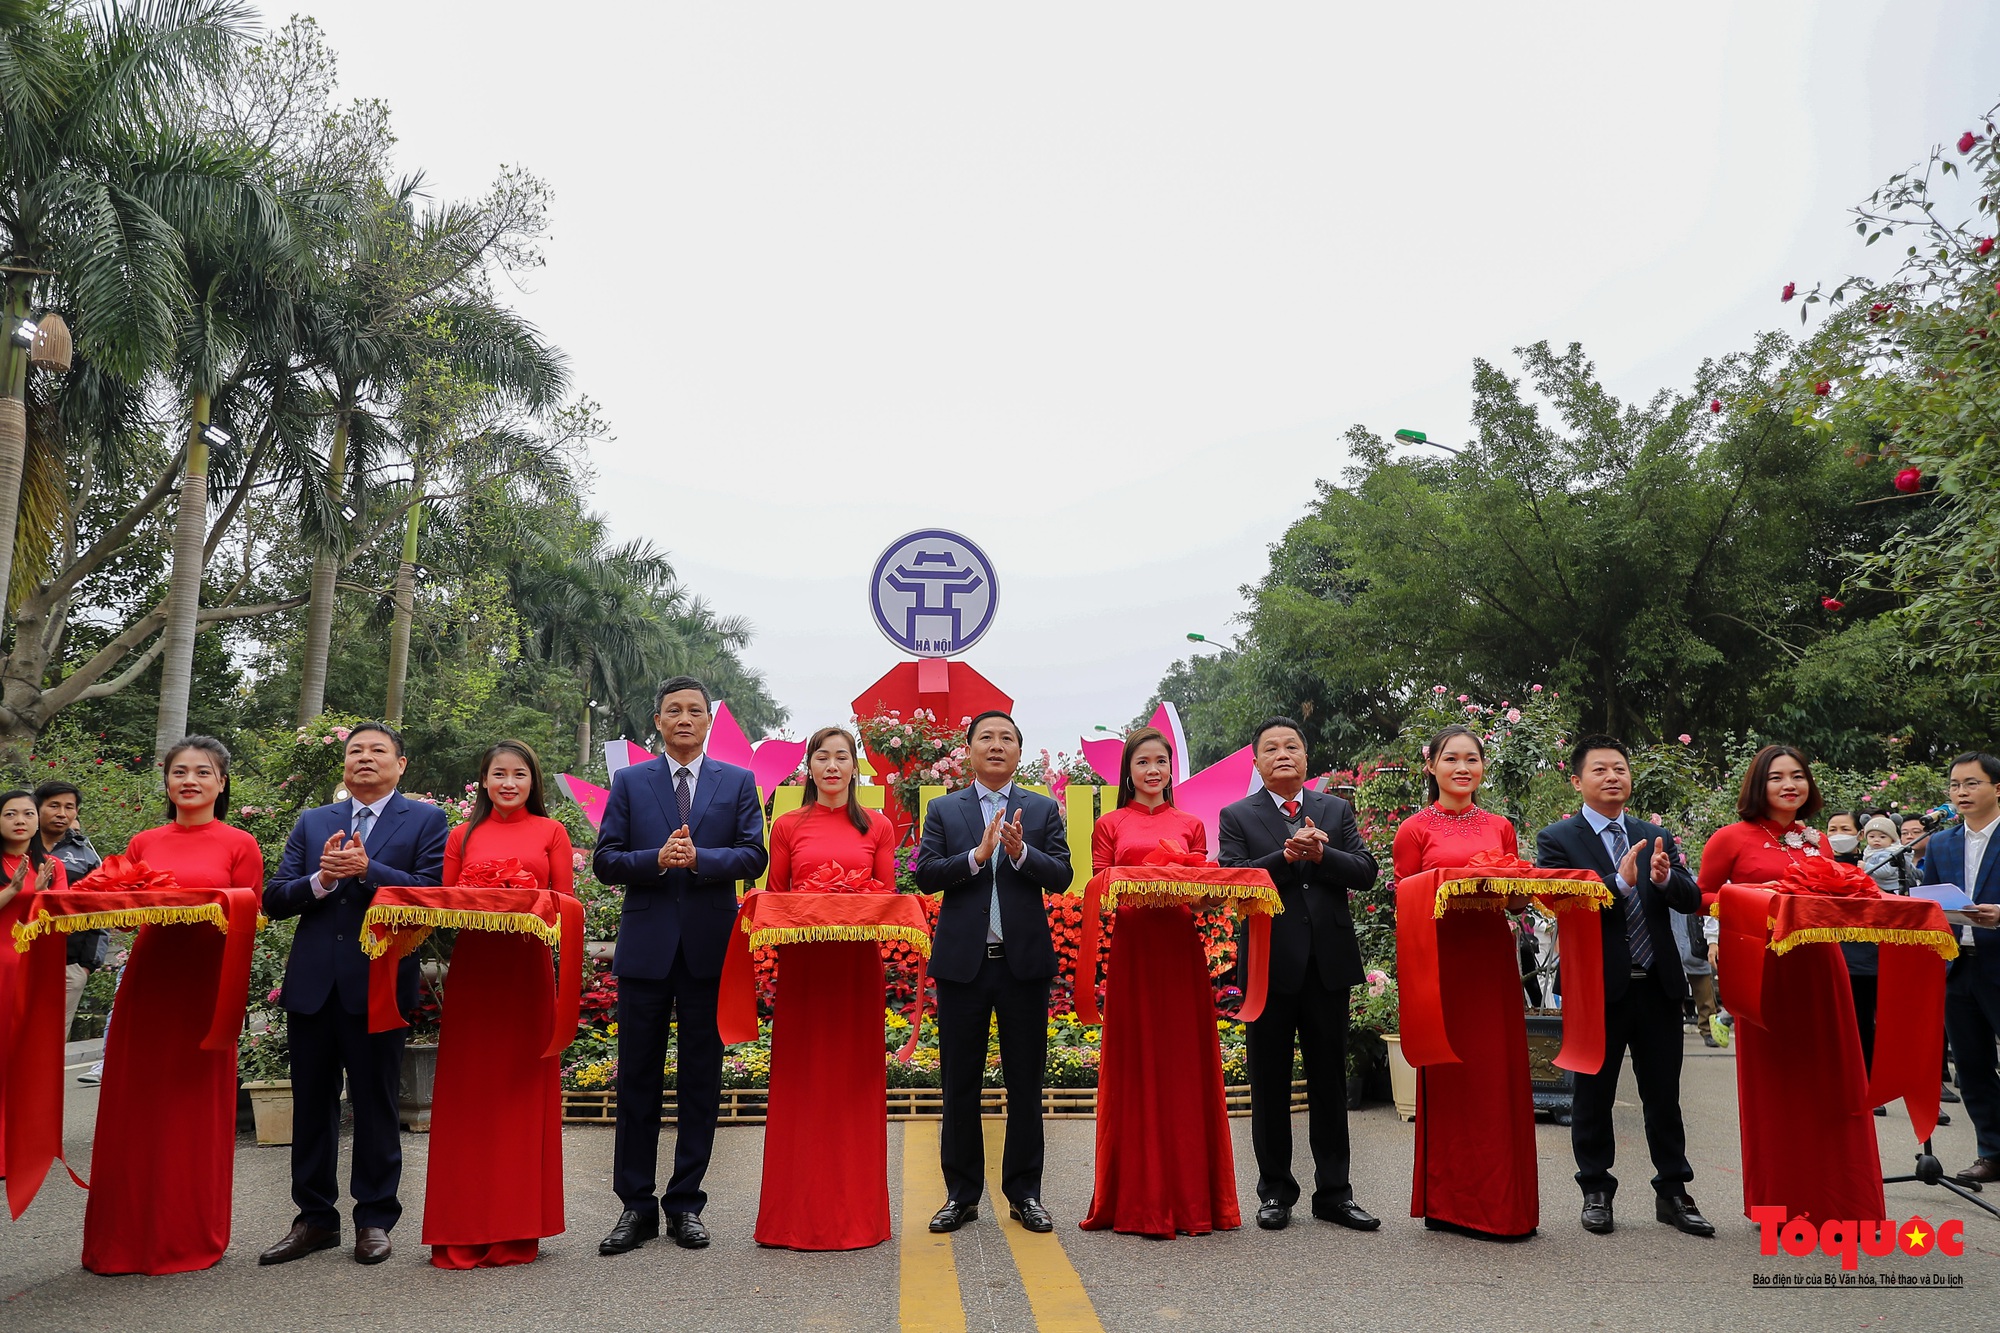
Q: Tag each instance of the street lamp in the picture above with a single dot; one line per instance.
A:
(1418, 437)
(1234, 645)
(1106, 730)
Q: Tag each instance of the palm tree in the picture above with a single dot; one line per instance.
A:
(89, 180)
(410, 301)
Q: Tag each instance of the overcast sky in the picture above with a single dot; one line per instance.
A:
(1101, 286)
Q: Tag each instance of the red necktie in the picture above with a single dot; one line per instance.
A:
(1291, 809)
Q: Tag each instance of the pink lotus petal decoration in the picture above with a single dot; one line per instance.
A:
(1203, 795)
(586, 794)
(770, 762)
(623, 754)
(1106, 756)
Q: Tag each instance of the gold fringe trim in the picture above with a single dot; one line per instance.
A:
(400, 915)
(124, 918)
(1451, 890)
(1248, 897)
(1946, 946)
(762, 936)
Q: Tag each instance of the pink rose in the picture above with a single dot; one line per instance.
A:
(1686, 739)
(1791, 290)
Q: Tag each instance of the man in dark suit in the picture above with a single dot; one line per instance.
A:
(1309, 843)
(1645, 987)
(680, 832)
(1964, 855)
(992, 850)
(336, 857)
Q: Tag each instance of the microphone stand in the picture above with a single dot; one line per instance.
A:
(1930, 1171)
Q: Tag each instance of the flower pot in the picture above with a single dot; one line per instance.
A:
(1402, 1077)
(413, 1098)
(271, 1104)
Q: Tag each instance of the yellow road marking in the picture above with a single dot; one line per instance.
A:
(1055, 1292)
(930, 1301)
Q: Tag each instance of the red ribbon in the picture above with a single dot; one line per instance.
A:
(764, 909)
(1419, 964)
(501, 874)
(34, 1085)
(1910, 978)
(383, 1013)
(1172, 853)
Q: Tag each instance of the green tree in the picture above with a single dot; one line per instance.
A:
(1908, 368)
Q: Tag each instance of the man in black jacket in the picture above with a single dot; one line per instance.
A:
(1644, 985)
(993, 850)
(1309, 843)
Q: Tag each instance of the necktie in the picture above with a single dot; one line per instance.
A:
(364, 824)
(1291, 809)
(682, 796)
(994, 804)
(1637, 942)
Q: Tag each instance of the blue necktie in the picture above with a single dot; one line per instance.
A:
(1637, 941)
(994, 804)
(364, 824)
(682, 796)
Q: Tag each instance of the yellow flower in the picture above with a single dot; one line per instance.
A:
(611, 1031)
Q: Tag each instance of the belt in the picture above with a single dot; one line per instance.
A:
(995, 949)
(1641, 972)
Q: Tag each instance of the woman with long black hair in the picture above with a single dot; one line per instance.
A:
(494, 1186)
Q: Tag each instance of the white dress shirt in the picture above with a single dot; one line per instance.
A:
(1977, 841)
(985, 794)
(693, 767)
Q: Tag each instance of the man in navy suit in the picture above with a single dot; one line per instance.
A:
(1965, 855)
(1645, 986)
(680, 832)
(335, 858)
(993, 850)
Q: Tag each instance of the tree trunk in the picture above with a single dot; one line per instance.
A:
(184, 588)
(406, 611)
(13, 432)
(583, 723)
(319, 607)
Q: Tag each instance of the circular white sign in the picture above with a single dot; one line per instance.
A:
(933, 593)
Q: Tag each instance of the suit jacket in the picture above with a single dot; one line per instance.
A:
(952, 828)
(1572, 844)
(683, 911)
(405, 847)
(1316, 927)
(1944, 863)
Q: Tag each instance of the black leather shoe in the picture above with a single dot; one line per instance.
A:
(1032, 1216)
(953, 1215)
(1944, 1117)
(1347, 1213)
(687, 1231)
(299, 1242)
(633, 1230)
(1678, 1211)
(1945, 1094)
(1597, 1213)
(1273, 1216)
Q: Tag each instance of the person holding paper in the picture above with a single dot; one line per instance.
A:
(1964, 855)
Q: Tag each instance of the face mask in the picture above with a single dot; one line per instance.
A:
(1843, 842)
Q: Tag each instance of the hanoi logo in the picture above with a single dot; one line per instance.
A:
(933, 593)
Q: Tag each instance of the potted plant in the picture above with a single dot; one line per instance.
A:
(264, 1063)
(263, 1049)
(419, 1073)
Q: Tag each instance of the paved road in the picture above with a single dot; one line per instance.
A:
(993, 1276)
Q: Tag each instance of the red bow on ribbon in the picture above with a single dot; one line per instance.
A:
(1825, 877)
(832, 877)
(1499, 863)
(1173, 852)
(124, 874)
(507, 874)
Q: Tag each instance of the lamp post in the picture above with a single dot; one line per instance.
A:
(1235, 645)
(1418, 437)
(43, 342)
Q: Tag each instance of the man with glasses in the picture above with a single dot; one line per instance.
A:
(1965, 855)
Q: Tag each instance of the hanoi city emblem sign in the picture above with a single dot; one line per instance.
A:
(933, 593)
